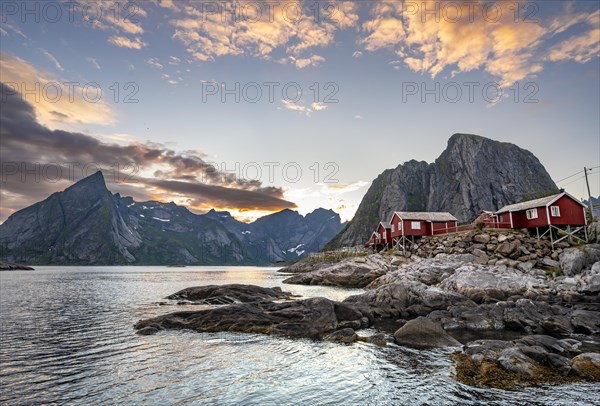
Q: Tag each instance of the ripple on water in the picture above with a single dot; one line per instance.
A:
(67, 337)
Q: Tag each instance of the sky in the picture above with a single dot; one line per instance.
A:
(254, 107)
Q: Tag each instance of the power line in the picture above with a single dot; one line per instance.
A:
(575, 174)
(573, 181)
(568, 177)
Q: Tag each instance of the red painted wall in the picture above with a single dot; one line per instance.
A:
(396, 232)
(571, 213)
(385, 233)
(408, 230)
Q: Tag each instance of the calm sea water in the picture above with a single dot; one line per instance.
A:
(67, 337)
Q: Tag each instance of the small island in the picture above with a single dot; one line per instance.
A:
(9, 266)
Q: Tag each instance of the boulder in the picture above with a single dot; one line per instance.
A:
(574, 260)
(310, 318)
(587, 365)
(586, 321)
(229, 294)
(481, 238)
(507, 248)
(549, 263)
(423, 333)
(407, 299)
(349, 273)
(377, 339)
(345, 335)
(483, 283)
(513, 360)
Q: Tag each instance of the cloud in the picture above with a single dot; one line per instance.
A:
(208, 36)
(93, 62)
(313, 60)
(154, 62)
(579, 48)
(318, 106)
(357, 54)
(160, 171)
(505, 47)
(125, 25)
(301, 108)
(52, 95)
(52, 59)
(125, 42)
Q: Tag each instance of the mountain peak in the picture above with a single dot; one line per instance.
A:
(94, 181)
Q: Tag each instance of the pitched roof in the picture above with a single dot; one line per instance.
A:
(532, 204)
(425, 216)
(385, 224)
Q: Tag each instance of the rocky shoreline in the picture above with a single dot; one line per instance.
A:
(426, 296)
(9, 266)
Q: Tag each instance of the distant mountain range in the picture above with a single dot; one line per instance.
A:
(87, 224)
(473, 174)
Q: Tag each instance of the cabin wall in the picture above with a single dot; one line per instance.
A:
(397, 232)
(571, 212)
(409, 231)
(520, 219)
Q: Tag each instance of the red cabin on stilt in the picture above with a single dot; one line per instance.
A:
(560, 212)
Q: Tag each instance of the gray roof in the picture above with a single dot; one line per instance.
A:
(530, 204)
(425, 216)
(385, 224)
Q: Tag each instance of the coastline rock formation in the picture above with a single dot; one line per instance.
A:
(309, 318)
(355, 272)
(229, 294)
(534, 359)
(8, 266)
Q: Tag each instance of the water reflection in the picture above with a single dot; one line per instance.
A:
(67, 337)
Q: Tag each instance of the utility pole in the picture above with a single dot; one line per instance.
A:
(587, 182)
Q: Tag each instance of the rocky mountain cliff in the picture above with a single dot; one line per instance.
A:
(473, 174)
(87, 224)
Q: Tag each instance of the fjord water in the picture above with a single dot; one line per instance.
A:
(67, 337)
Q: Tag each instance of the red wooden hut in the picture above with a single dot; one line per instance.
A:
(557, 212)
(381, 236)
(411, 224)
(385, 233)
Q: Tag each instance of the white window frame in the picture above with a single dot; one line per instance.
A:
(393, 228)
(532, 214)
(555, 211)
(415, 225)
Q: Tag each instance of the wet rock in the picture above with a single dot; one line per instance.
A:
(310, 318)
(146, 331)
(345, 336)
(587, 365)
(9, 266)
(229, 294)
(377, 339)
(423, 333)
(513, 360)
